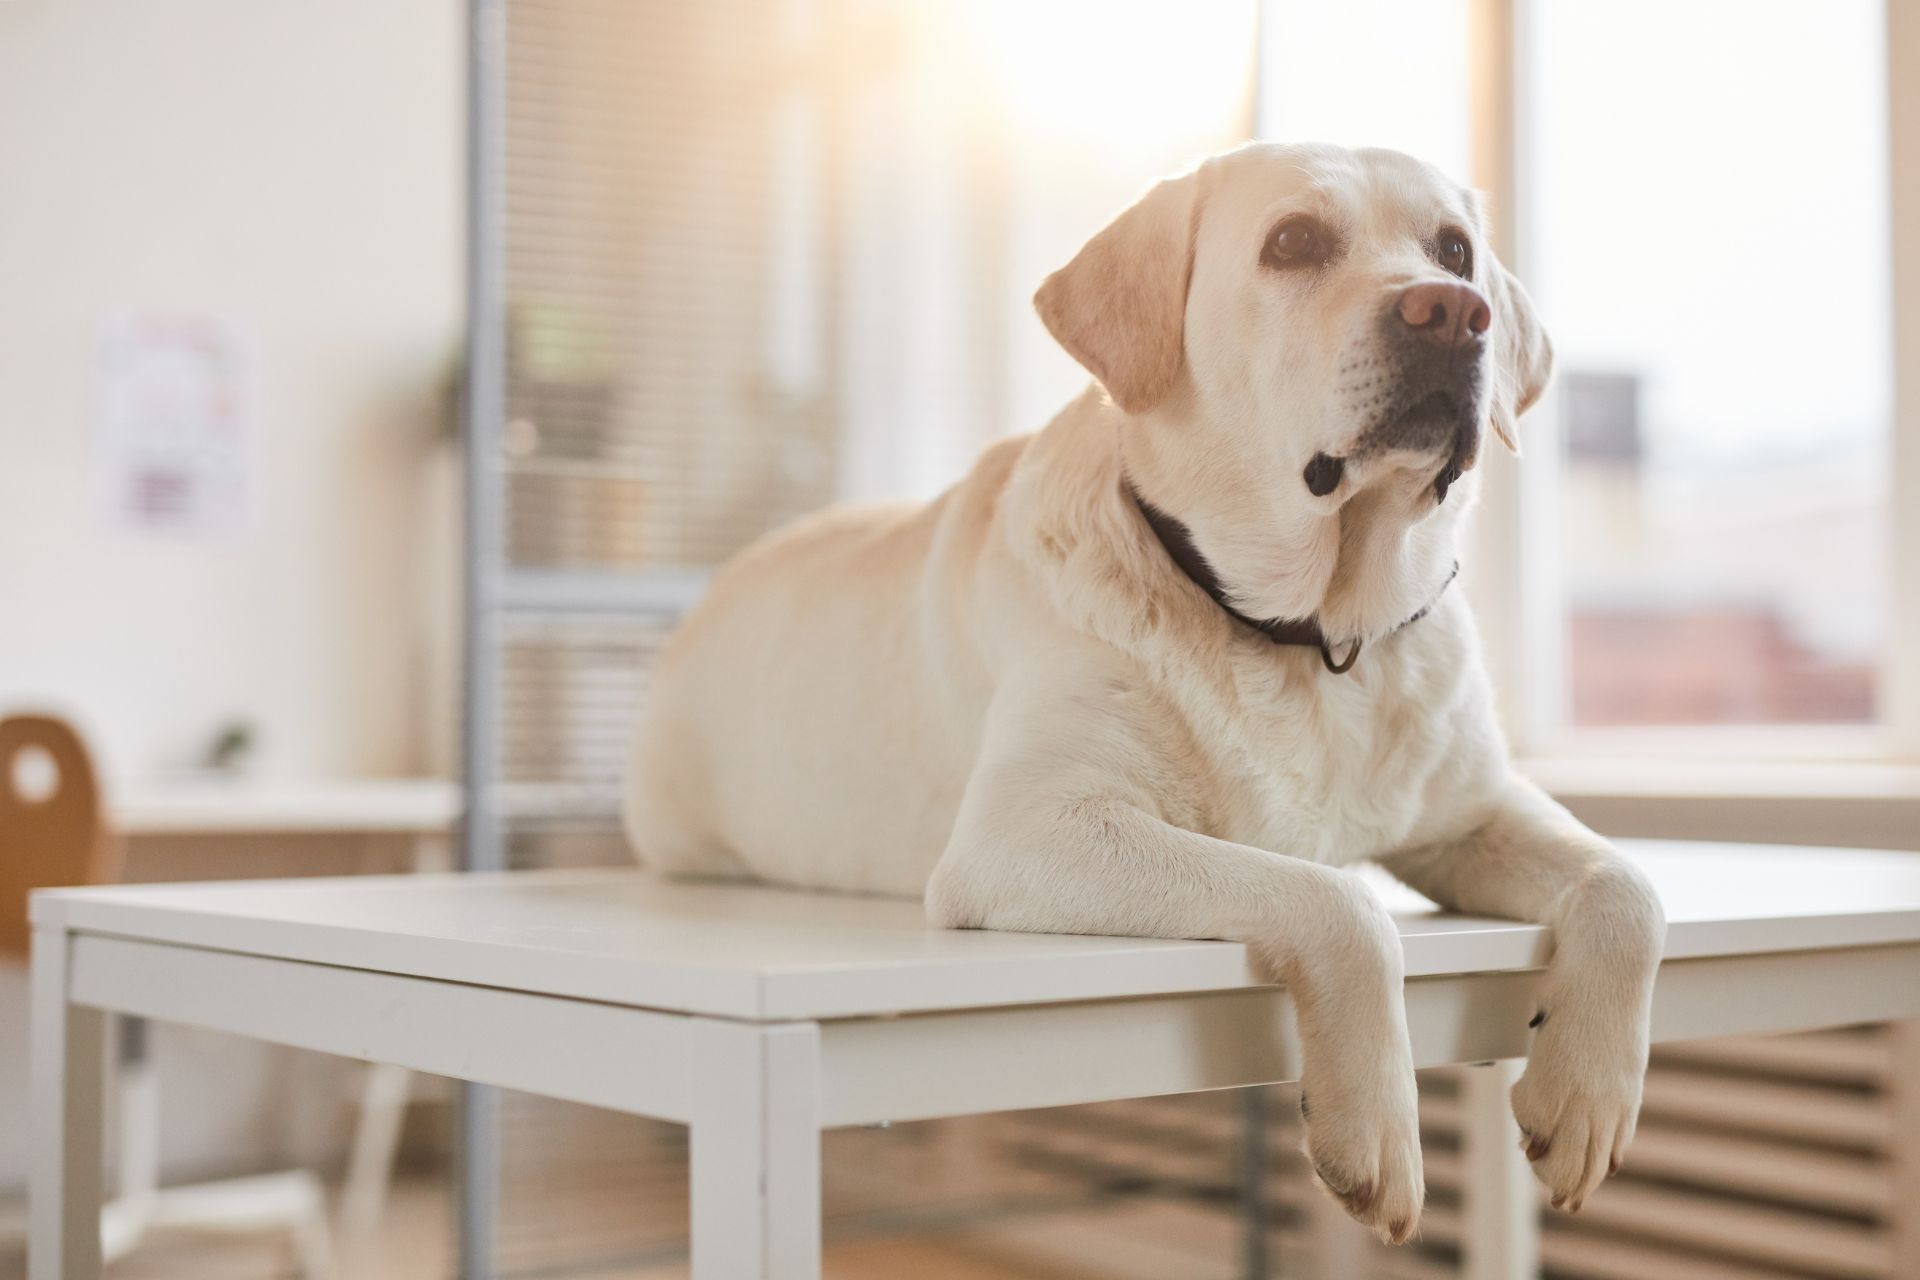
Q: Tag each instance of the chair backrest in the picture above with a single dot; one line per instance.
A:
(57, 835)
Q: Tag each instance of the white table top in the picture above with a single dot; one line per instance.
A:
(624, 937)
(213, 806)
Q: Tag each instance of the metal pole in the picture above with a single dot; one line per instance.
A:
(484, 401)
(1255, 1262)
(481, 846)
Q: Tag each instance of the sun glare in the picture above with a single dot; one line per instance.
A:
(1123, 74)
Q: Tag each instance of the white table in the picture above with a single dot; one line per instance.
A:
(402, 822)
(759, 1017)
(203, 828)
(416, 807)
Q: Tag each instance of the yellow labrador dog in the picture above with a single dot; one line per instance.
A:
(1167, 667)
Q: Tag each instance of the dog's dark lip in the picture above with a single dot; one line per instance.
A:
(1427, 422)
(1323, 474)
(1433, 407)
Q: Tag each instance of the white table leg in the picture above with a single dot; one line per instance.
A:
(68, 1053)
(755, 1140)
(1500, 1228)
(384, 1092)
(1341, 1247)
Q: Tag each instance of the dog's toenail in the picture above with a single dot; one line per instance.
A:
(1399, 1229)
(1537, 1148)
(1613, 1166)
(1540, 1016)
(1303, 1106)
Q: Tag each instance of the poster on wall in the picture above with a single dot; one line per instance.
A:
(173, 440)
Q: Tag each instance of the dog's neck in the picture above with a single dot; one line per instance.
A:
(1358, 571)
(1175, 537)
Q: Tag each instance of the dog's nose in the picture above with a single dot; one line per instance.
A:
(1445, 313)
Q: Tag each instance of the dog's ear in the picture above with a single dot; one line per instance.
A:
(1119, 307)
(1522, 356)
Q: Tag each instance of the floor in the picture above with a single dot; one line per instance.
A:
(1135, 1240)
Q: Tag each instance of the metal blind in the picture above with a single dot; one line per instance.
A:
(654, 259)
(571, 686)
(663, 408)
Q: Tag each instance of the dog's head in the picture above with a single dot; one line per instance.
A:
(1312, 342)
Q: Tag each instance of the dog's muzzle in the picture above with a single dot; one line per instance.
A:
(1437, 334)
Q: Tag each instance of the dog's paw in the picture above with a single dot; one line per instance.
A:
(1366, 1152)
(1577, 1103)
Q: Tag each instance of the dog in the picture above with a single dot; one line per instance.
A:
(1172, 664)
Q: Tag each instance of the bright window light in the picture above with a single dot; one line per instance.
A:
(1710, 251)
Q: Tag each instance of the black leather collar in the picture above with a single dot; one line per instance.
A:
(1305, 632)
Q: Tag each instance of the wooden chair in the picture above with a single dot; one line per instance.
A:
(54, 832)
(58, 834)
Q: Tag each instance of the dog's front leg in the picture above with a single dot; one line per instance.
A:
(1579, 1098)
(1054, 837)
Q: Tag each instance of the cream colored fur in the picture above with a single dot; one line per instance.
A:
(1010, 701)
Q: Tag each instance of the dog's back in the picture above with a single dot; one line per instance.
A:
(814, 719)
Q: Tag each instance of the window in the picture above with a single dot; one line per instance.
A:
(1710, 249)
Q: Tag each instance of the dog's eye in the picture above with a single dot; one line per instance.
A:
(1454, 253)
(1298, 242)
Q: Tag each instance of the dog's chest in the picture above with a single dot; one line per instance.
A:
(1333, 769)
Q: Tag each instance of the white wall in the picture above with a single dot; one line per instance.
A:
(297, 166)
